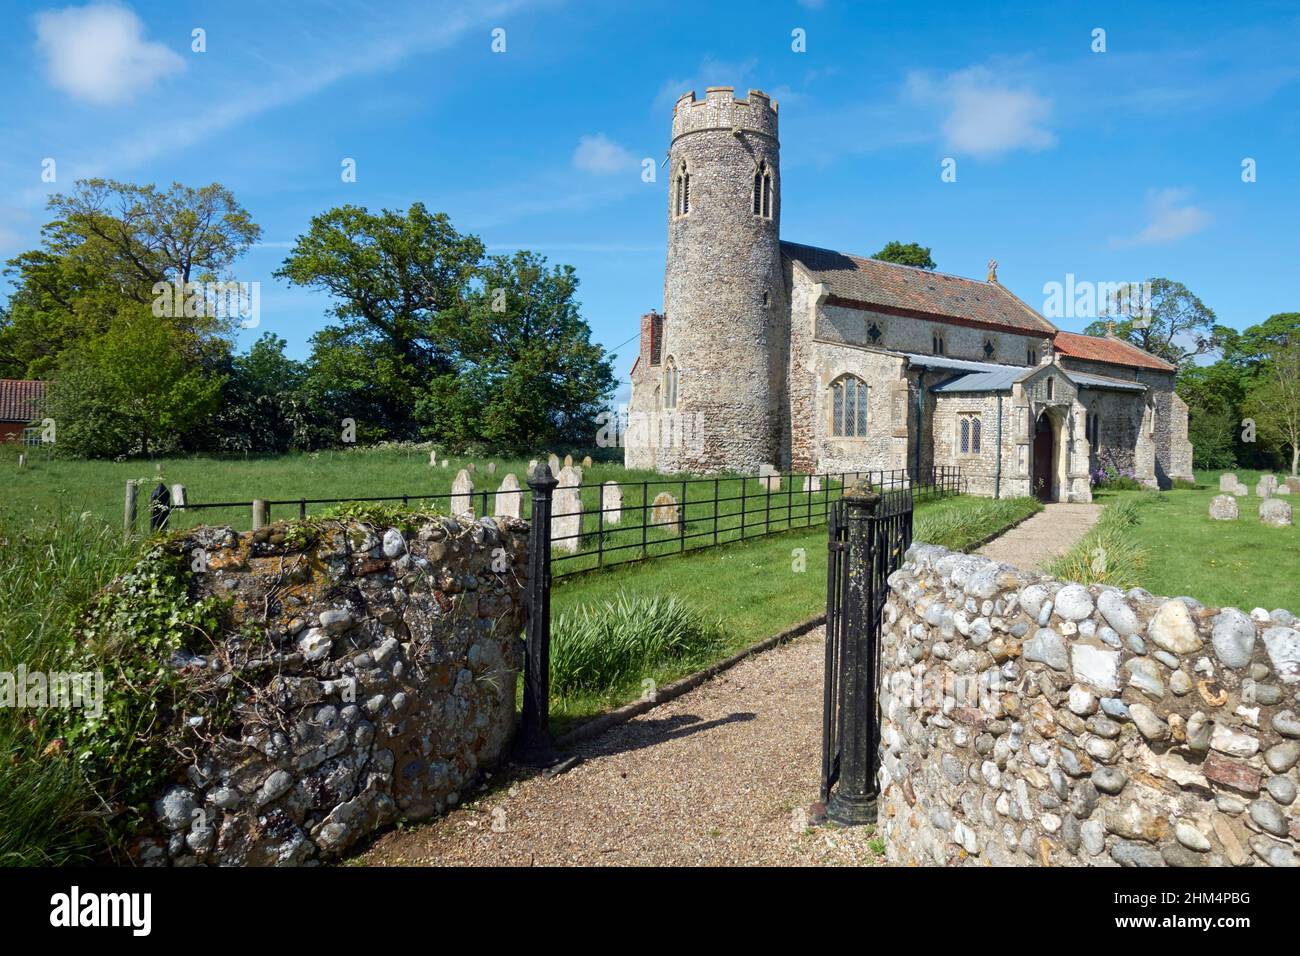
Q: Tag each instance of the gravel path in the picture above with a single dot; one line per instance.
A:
(1046, 536)
(719, 776)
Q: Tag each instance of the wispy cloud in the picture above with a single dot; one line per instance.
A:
(600, 155)
(711, 72)
(986, 115)
(98, 53)
(1169, 218)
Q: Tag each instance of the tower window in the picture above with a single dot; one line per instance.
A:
(849, 407)
(936, 344)
(670, 383)
(763, 191)
(989, 348)
(682, 192)
(1050, 382)
(874, 333)
(1031, 356)
(969, 426)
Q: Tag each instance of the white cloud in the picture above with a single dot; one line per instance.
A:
(712, 72)
(600, 155)
(1169, 219)
(986, 116)
(98, 53)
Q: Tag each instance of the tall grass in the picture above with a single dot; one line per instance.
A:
(612, 646)
(966, 522)
(1108, 553)
(50, 570)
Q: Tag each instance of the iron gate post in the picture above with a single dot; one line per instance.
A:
(853, 801)
(534, 745)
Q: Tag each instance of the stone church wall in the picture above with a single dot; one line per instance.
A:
(1032, 722)
(980, 471)
(850, 326)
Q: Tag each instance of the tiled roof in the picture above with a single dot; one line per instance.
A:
(20, 399)
(1112, 350)
(909, 290)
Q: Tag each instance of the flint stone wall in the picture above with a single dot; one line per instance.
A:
(1028, 721)
(387, 686)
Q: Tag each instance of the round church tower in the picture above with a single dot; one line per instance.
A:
(722, 285)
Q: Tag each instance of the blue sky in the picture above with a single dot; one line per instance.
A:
(1111, 166)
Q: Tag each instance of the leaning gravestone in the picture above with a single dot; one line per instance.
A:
(1266, 487)
(1223, 508)
(553, 462)
(812, 483)
(666, 512)
(769, 477)
(586, 461)
(611, 502)
(509, 499)
(1227, 481)
(1275, 512)
(566, 512)
(462, 494)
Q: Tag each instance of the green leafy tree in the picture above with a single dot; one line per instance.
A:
(906, 254)
(1178, 328)
(132, 390)
(1274, 402)
(432, 340)
(263, 406)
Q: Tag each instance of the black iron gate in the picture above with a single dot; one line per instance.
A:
(868, 535)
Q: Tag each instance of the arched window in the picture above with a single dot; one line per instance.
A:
(1094, 426)
(849, 407)
(936, 343)
(763, 191)
(969, 427)
(670, 383)
(682, 192)
(1050, 382)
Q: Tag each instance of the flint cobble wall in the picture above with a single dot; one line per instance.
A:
(1030, 721)
(386, 685)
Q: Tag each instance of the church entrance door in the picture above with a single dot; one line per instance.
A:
(1044, 457)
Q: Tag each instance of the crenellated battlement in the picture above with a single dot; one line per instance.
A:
(722, 109)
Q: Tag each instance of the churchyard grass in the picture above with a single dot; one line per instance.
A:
(757, 588)
(1240, 563)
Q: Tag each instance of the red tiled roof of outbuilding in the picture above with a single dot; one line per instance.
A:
(20, 399)
(1108, 349)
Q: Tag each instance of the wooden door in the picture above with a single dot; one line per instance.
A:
(1044, 457)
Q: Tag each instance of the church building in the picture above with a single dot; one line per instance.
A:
(815, 361)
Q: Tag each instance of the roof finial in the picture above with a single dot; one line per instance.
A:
(993, 270)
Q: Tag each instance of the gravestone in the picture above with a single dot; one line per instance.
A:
(586, 461)
(1223, 508)
(566, 512)
(462, 494)
(812, 483)
(553, 462)
(492, 468)
(1275, 512)
(611, 502)
(1294, 485)
(1227, 481)
(1240, 490)
(470, 468)
(532, 463)
(1266, 486)
(568, 461)
(665, 512)
(433, 458)
(769, 477)
(509, 498)
(570, 475)
(1283, 489)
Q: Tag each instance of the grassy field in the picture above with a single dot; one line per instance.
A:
(760, 587)
(1240, 563)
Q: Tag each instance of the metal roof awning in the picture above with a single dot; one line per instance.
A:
(1086, 380)
(958, 365)
(999, 381)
